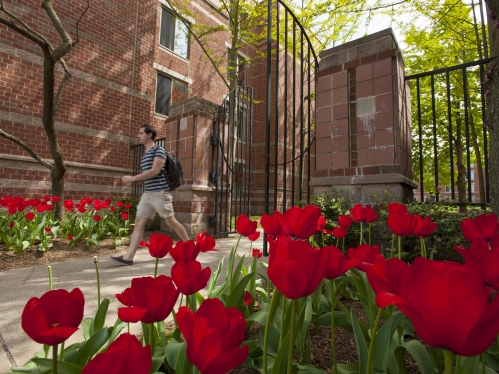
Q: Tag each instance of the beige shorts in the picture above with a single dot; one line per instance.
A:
(152, 202)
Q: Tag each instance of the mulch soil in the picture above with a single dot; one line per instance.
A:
(346, 351)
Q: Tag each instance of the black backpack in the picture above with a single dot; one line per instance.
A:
(172, 170)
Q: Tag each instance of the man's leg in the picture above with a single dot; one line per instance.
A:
(177, 227)
(138, 233)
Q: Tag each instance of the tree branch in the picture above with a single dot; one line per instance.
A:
(65, 78)
(27, 32)
(27, 149)
(77, 23)
(48, 6)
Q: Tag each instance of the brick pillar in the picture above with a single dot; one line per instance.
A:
(364, 121)
(188, 137)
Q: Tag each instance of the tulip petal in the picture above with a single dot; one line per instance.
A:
(131, 314)
(227, 361)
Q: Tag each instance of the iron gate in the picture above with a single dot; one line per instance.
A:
(233, 136)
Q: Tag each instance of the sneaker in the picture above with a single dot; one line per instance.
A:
(121, 260)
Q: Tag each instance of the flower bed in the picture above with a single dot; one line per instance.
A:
(449, 306)
(28, 222)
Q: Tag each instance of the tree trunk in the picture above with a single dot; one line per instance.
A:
(479, 165)
(48, 120)
(461, 170)
(493, 106)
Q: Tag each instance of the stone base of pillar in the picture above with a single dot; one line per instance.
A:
(362, 189)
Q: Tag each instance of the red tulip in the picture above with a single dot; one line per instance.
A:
(365, 253)
(300, 223)
(256, 253)
(272, 224)
(397, 208)
(11, 224)
(128, 206)
(321, 223)
(205, 243)
(124, 216)
(160, 245)
(30, 216)
(487, 258)
(112, 209)
(245, 226)
(97, 218)
(48, 229)
(81, 209)
(254, 236)
(68, 204)
(213, 335)
(49, 207)
(296, 269)
(339, 233)
(124, 356)
(424, 227)
(46, 198)
(56, 199)
(54, 317)
(152, 299)
(40, 208)
(483, 227)
(386, 275)
(337, 263)
(402, 224)
(448, 305)
(12, 209)
(185, 251)
(247, 298)
(120, 204)
(345, 222)
(190, 277)
(70, 237)
(360, 214)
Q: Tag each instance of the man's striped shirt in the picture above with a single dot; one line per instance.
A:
(157, 183)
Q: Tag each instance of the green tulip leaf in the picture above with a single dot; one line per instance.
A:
(100, 316)
(257, 364)
(383, 348)
(217, 291)
(280, 362)
(183, 365)
(302, 323)
(214, 278)
(348, 369)
(63, 367)
(235, 275)
(91, 347)
(419, 353)
(492, 361)
(273, 340)
(158, 358)
(254, 350)
(87, 324)
(260, 317)
(172, 351)
(360, 342)
(118, 326)
(309, 369)
(237, 294)
(70, 352)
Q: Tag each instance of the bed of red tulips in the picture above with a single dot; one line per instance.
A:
(444, 314)
(28, 222)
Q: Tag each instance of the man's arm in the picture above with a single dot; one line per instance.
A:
(155, 170)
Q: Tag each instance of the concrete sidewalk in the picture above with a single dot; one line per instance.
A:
(19, 285)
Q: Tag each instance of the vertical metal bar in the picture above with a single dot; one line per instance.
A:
(468, 155)
(421, 174)
(267, 118)
(435, 151)
(284, 184)
(276, 131)
(485, 145)
(217, 171)
(223, 213)
(293, 125)
(245, 180)
(308, 127)
(250, 147)
(449, 118)
(302, 73)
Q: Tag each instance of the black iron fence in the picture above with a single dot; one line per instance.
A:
(138, 151)
(290, 110)
(450, 141)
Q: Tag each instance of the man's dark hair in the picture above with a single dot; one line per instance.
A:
(148, 129)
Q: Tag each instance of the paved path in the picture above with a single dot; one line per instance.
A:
(19, 285)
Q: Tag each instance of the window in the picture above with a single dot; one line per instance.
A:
(168, 91)
(241, 119)
(447, 189)
(241, 66)
(472, 175)
(174, 34)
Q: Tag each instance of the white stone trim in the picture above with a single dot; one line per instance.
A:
(169, 51)
(172, 73)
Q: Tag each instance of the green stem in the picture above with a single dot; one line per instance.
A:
(273, 307)
(393, 245)
(333, 340)
(483, 363)
(50, 278)
(370, 297)
(283, 321)
(238, 240)
(373, 338)
(458, 364)
(292, 336)
(370, 225)
(422, 246)
(151, 338)
(62, 351)
(98, 279)
(195, 370)
(156, 268)
(54, 359)
(343, 246)
(400, 247)
(361, 232)
(448, 362)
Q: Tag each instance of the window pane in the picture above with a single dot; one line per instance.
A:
(181, 40)
(178, 92)
(167, 34)
(163, 94)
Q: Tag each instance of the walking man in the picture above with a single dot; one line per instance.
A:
(157, 195)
